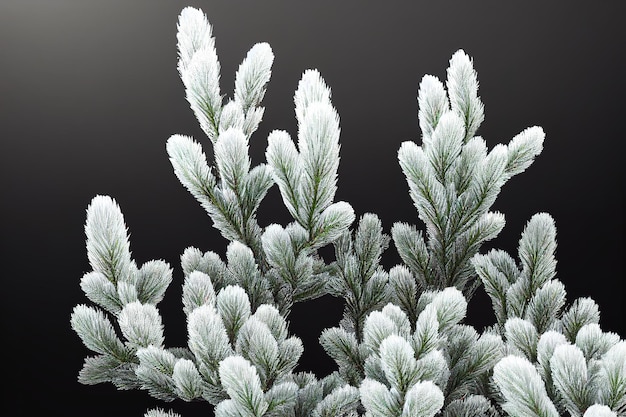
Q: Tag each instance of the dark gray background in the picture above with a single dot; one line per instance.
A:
(89, 94)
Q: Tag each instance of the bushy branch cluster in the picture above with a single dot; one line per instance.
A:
(571, 364)
(401, 348)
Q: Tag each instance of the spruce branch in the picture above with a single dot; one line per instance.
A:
(462, 85)
(243, 386)
(453, 180)
(108, 248)
(97, 332)
(141, 325)
(531, 292)
(570, 376)
(342, 401)
(471, 406)
(307, 180)
(307, 176)
(129, 294)
(523, 389)
(567, 349)
(155, 372)
(358, 277)
(250, 84)
(233, 197)
(612, 378)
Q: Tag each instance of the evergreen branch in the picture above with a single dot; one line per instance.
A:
(583, 311)
(339, 402)
(311, 89)
(432, 103)
(201, 80)
(191, 168)
(141, 325)
(252, 76)
(234, 309)
(423, 400)
(548, 342)
(318, 137)
(569, 373)
(445, 146)
(152, 280)
(256, 343)
(208, 263)
(522, 388)
(523, 148)
(108, 248)
(197, 291)
(398, 362)
(232, 117)
(426, 192)
(522, 335)
(233, 163)
(536, 251)
(496, 270)
(187, 379)
(462, 86)
(244, 271)
(285, 160)
(194, 33)
(208, 339)
(244, 387)
(155, 371)
(281, 398)
(472, 155)
(378, 400)
(101, 291)
(404, 291)
(97, 333)
(545, 305)
(612, 376)
(359, 278)
(470, 406)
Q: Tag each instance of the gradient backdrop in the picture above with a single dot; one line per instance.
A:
(89, 94)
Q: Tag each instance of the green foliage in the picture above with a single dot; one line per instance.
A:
(402, 347)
